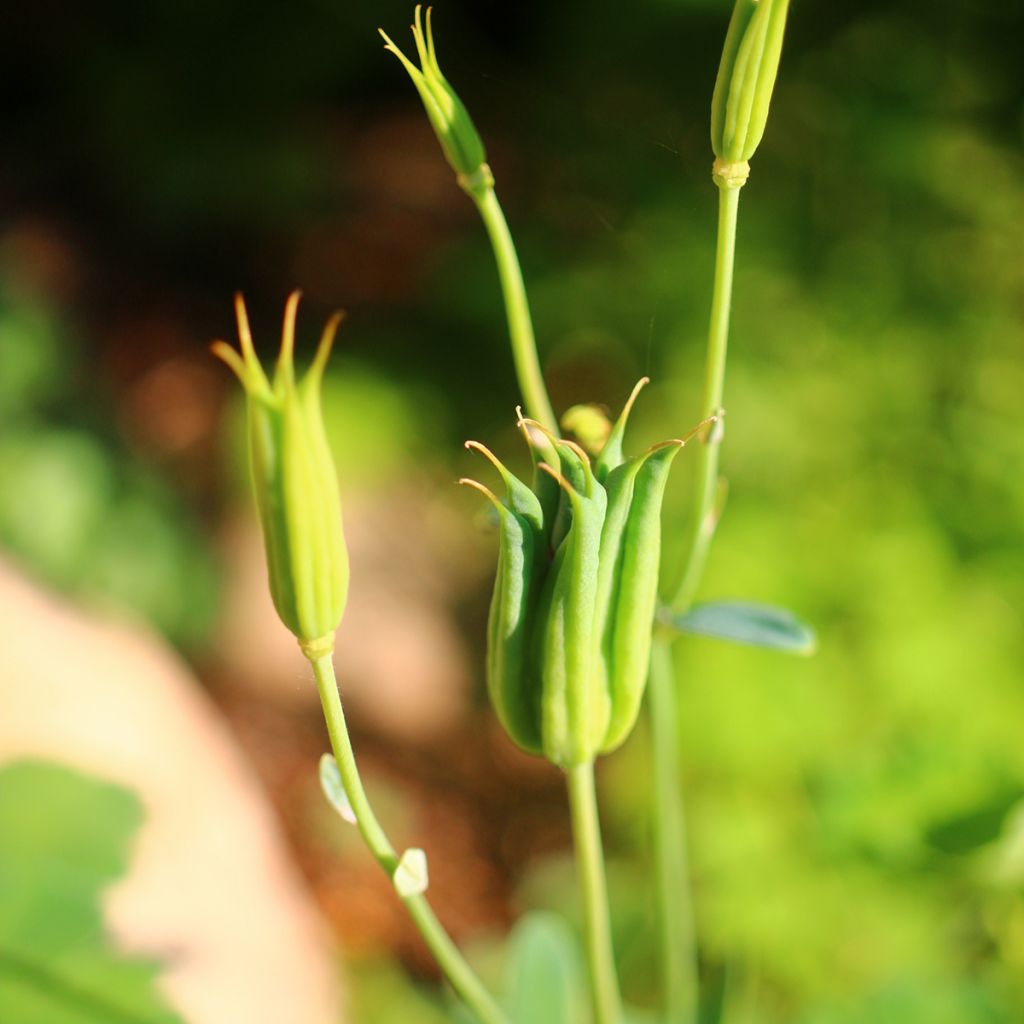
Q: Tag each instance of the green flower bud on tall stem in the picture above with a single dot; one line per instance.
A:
(743, 90)
(295, 483)
(451, 122)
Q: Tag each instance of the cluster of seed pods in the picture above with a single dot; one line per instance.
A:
(569, 631)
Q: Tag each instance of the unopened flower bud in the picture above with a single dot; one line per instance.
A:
(743, 90)
(451, 122)
(590, 425)
(295, 482)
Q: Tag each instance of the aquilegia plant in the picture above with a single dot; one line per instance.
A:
(581, 624)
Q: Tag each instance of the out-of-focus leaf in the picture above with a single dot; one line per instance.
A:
(90, 526)
(741, 622)
(1006, 855)
(55, 488)
(978, 826)
(33, 363)
(909, 999)
(545, 978)
(64, 838)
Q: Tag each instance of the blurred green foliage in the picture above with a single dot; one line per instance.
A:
(66, 838)
(851, 816)
(74, 506)
(546, 978)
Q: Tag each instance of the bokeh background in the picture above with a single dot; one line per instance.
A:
(855, 818)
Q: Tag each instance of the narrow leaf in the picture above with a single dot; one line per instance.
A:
(330, 783)
(741, 622)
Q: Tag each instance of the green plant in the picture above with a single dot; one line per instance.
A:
(575, 627)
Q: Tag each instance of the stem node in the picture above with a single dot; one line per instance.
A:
(446, 953)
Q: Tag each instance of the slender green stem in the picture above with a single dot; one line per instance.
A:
(675, 905)
(517, 307)
(586, 828)
(679, 959)
(451, 961)
(705, 511)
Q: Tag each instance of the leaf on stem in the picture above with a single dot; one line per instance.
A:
(330, 783)
(742, 622)
(410, 877)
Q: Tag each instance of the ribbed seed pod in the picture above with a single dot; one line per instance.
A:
(574, 708)
(449, 118)
(746, 80)
(611, 455)
(574, 598)
(508, 623)
(295, 483)
(628, 652)
(546, 488)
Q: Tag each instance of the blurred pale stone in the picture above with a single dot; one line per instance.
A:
(211, 885)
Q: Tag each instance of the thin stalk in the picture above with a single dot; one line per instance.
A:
(586, 828)
(517, 307)
(705, 513)
(459, 973)
(678, 943)
(675, 905)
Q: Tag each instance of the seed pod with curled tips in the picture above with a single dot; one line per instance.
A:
(571, 685)
(295, 483)
(611, 454)
(743, 89)
(450, 120)
(516, 582)
(542, 452)
(574, 705)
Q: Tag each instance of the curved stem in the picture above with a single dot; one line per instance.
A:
(675, 904)
(604, 984)
(451, 961)
(517, 308)
(705, 512)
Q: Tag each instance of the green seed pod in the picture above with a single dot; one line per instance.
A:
(451, 122)
(611, 454)
(520, 552)
(743, 89)
(574, 705)
(627, 650)
(571, 616)
(549, 494)
(295, 483)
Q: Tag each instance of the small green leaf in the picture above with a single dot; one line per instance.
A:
(741, 622)
(545, 978)
(330, 783)
(410, 877)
